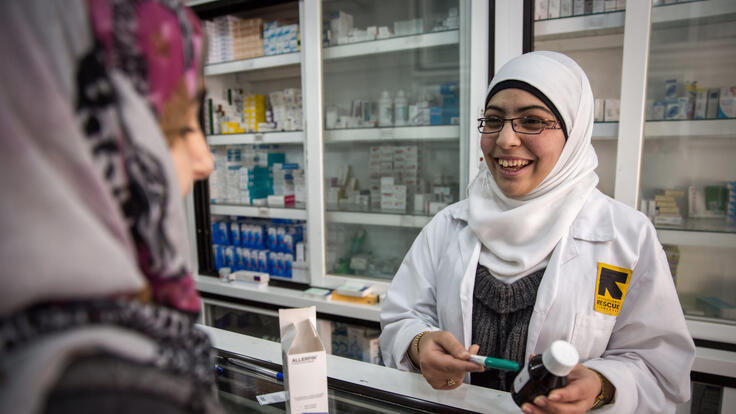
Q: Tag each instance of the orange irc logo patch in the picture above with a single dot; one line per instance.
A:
(610, 288)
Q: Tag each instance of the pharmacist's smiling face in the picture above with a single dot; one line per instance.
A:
(519, 162)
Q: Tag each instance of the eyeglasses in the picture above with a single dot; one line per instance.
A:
(523, 125)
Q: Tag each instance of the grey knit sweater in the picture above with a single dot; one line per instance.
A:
(501, 314)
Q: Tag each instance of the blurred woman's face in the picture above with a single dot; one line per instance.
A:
(191, 154)
(189, 150)
(519, 162)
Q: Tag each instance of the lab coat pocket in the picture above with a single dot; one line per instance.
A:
(591, 333)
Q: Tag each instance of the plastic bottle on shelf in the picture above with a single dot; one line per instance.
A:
(401, 109)
(545, 372)
(385, 110)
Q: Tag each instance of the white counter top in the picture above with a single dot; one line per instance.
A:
(290, 298)
(468, 397)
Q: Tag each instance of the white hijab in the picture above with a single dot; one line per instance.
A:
(519, 234)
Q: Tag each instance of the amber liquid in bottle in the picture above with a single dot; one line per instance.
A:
(539, 381)
(545, 372)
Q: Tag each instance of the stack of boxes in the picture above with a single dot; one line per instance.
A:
(667, 210)
(607, 109)
(237, 112)
(220, 42)
(268, 246)
(394, 176)
(283, 185)
(247, 35)
(687, 100)
(254, 111)
(450, 104)
(553, 9)
(232, 38)
(286, 109)
(255, 175)
(278, 38)
(380, 163)
(341, 24)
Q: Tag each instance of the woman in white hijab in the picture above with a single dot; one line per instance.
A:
(536, 254)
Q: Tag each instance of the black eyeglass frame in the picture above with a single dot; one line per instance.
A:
(548, 124)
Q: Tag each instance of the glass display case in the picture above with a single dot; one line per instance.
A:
(592, 33)
(254, 123)
(241, 380)
(394, 87)
(688, 171)
(348, 339)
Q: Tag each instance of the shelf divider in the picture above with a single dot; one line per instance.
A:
(244, 65)
(417, 133)
(393, 44)
(260, 212)
(292, 137)
(690, 127)
(377, 219)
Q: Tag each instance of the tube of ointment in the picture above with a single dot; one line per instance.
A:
(497, 363)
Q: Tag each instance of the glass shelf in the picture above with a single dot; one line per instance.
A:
(583, 25)
(407, 133)
(291, 137)
(377, 218)
(393, 44)
(690, 127)
(243, 65)
(697, 11)
(605, 131)
(296, 213)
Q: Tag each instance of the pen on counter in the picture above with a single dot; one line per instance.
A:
(497, 363)
(253, 367)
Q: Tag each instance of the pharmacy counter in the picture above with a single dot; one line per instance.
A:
(354, 387)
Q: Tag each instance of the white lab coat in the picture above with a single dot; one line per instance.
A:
(645, 351)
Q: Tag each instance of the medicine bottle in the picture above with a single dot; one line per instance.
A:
(385, 110)
(545, 372)
(401, 109)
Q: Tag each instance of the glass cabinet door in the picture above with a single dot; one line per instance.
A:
(688, 170)
(591, 33)
(392, 92)
(253, 120)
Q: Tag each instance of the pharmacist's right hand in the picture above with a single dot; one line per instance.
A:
(444, 361)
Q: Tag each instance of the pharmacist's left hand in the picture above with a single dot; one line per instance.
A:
(583, 386)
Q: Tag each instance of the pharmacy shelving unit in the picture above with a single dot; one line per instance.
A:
(613, 48)
(361, 70)
(627, 54)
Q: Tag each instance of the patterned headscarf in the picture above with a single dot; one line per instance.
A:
(91, 214)
(93, 189)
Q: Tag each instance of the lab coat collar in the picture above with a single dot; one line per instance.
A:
(595, 221)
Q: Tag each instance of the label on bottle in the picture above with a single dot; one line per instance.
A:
(521, 380)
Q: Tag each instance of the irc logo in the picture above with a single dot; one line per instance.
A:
(611, 285)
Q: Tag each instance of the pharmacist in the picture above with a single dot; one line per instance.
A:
(536, 253)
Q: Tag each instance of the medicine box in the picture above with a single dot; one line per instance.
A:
(711, 111)
(540, 9)
(553, 9)
(676, 109)
(612, 110)
(727, 103)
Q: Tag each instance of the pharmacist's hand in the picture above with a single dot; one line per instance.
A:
(444, 361)
(583, 386)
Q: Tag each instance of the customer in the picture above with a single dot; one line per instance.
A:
(98, 303)
(536, 253)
